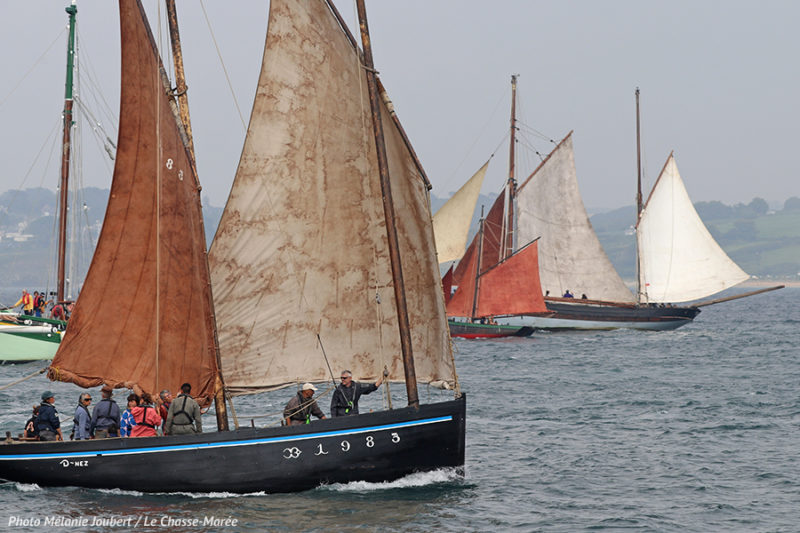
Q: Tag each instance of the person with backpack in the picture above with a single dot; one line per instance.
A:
(183, 417)
(105, 416)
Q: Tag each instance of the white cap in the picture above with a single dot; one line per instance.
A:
(308, 386)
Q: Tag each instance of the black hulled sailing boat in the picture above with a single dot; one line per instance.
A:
(152, 247)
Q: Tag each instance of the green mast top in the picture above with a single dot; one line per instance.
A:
(72, 11)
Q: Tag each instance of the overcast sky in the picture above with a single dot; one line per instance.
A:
(719, 82)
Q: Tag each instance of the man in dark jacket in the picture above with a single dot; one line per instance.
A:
(344, 401)
(302, 406)
(47, 423)
(105, 416)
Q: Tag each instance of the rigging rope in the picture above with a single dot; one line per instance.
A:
(222, 63)
(7, 385)
(41, 57)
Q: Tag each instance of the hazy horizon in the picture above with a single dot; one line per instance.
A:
(717, 81)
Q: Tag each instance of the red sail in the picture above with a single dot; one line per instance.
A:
(492, 235)
(512, 287)
(144, 316)
(447, 284)
(462, 301)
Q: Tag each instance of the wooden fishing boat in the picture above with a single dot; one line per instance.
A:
(161, 329)
(679, 261)
(496, 285)
(29, 338)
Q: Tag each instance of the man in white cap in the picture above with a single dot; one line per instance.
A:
(302, 406)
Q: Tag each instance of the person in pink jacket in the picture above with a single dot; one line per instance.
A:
(146, 417)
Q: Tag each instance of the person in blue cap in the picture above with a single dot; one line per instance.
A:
(47, 423)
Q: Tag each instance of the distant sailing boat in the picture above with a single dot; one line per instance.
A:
(344, 295)
(492, 280)
(679, 261)
(30, 338)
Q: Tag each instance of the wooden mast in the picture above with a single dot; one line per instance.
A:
(66, 144)
(388, 211)
(638, 198)
(638, 162)
(507, 244)
(183, 107)
(477, 267)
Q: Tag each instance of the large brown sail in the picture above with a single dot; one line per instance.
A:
(144, 317)
(300, 263)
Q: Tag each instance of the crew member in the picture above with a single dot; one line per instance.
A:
(302, 406)
(184, 417)
(345, 398)
(105, 416)
(47, 423)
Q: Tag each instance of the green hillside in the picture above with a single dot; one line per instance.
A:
(764, 243)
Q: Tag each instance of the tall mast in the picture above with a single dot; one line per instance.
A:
(183, 104)
(507, 244)
(638, 162)
(180, 79)
(66, 144)
(477, 267)
(639, 206)
(388, 212)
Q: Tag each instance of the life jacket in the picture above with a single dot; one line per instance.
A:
(183, 412)
(144, 417)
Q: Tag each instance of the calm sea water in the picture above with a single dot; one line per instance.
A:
(690, 430)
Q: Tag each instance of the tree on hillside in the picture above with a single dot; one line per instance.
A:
(792, 204)
(759, 206)
(713, 210)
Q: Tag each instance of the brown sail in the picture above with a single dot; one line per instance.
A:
(144, 315)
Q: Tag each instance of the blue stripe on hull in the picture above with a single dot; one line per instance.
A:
(227, 444)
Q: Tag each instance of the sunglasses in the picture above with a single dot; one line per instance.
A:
(346, 377)
(87, 399)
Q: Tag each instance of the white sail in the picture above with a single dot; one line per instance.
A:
(300, 263)
(679, 260)
(549, 206)
(451, 222)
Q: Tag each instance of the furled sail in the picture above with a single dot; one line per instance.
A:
(549, 207)
(452, 221)
(300, 262)
(144, 315)
(679, 260)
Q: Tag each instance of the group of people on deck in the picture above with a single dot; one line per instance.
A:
(175, 416)
(142, 418)
(36, 305)
(344, 401)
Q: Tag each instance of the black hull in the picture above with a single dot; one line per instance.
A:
(621, 315)
(565, 314)
(372, 447)
(472, 330)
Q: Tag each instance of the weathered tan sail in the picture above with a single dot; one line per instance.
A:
(679, 260)
(300, 263)
(451, 222)
(144, 316)
(549, 207)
